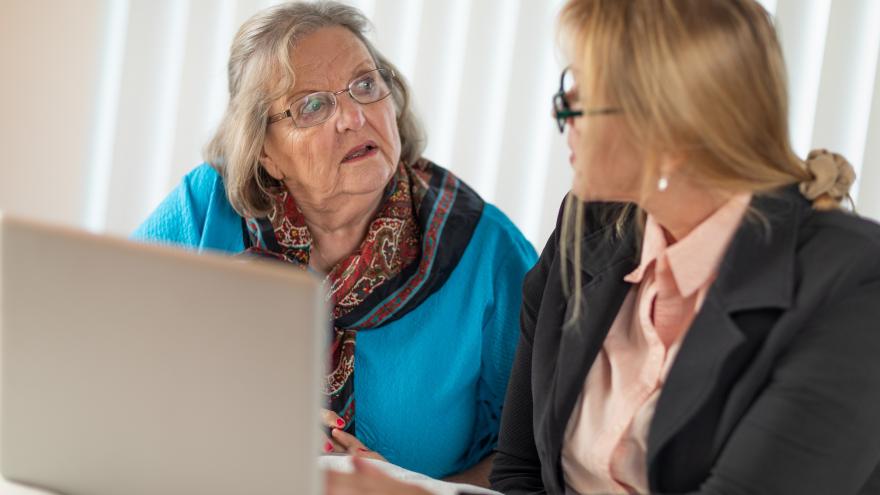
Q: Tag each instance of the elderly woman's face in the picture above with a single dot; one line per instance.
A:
(356, 151)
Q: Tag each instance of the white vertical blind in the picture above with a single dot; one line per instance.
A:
(436, 76)
(522, 167)
(147, 110)
(802, 26)
(487, 67)
(482, 71)
(869, 199)
(847, 83)
(106, 106)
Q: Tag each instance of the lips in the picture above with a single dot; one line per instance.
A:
(363, 150)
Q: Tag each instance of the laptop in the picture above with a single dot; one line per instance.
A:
(129, 369)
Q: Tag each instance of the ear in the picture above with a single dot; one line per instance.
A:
(671, 163)
(270, 164)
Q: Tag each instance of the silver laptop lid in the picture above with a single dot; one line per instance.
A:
(130, 369)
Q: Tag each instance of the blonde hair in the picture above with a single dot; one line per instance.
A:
(705, 78)
(260, 72)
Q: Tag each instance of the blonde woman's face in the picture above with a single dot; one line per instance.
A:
(356, 151)
(606, 164)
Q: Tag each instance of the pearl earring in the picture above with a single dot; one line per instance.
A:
(662, 184)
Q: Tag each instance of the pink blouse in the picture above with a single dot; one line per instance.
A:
(605, 445)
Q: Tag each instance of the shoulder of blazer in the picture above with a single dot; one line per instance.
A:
(841, 247)
(598, 219)
(608, 234)
(841, 230)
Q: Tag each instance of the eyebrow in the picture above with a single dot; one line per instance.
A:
(365, 66)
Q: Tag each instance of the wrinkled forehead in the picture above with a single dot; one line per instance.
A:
(327, 59)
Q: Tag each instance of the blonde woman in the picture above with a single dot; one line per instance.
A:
(705, 317)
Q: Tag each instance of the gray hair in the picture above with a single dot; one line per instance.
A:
(258, 59)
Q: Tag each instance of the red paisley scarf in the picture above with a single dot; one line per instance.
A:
(412, 245)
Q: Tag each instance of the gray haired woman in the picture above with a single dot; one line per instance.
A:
(317, 163)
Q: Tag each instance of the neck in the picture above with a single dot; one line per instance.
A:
(338, 227)
(683, 206)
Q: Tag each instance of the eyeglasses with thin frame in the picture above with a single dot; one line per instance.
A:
(316, 108)
(562, 110)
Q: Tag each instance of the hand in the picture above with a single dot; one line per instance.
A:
(350, 444)
(367, 480)
(333, 422)
(344, 443)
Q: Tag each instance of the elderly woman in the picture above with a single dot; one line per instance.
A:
(317, 163)
(704, 319)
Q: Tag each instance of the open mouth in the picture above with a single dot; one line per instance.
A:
(361, 151)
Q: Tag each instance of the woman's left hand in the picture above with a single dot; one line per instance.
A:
(353, 446)
(367, 480)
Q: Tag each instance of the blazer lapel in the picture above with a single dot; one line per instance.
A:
(711, 338)
(756, 272)
(600, 301)
(606, 260)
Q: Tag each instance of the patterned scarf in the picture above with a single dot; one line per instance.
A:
(411, 247)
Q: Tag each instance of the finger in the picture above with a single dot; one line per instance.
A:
(347, 441)
(331, 445)
(354, 446)
(332, 419)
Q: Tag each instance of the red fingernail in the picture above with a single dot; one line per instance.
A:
(328, 447)
(340, 423)
(361, 449)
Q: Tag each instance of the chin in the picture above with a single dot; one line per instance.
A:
(594, 194)
(587, 189)
(367, 178)
(581, 190)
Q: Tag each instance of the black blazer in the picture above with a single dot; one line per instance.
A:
(776, 386)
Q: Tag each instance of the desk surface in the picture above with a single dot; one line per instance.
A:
(340, 463)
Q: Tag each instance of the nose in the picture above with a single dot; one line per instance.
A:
(351, 114)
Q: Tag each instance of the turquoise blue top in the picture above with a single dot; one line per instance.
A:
(430, 385)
